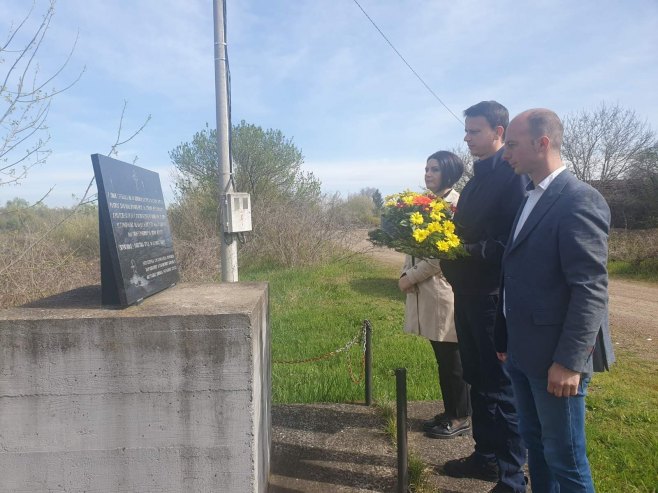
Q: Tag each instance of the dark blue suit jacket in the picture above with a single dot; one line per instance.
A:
(556, 282)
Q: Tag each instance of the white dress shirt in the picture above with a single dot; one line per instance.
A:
(533, 197)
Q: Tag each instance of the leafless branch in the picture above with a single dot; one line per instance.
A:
(607, 143)
(119, 142)
(26, 98)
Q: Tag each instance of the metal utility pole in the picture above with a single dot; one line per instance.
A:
(228, 247)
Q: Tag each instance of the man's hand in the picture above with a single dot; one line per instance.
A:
(502, 357)
(562, 382)
(405, 285)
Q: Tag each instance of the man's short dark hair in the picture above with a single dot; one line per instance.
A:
(451, 166)
(494, 112)
(546, 122)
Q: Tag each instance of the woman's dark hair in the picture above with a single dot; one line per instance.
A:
(451, 167)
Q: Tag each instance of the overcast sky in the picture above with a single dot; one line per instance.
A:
(318, 71)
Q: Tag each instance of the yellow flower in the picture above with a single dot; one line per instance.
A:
(452, 240)
(437, 210)
(416, 218)
(434, 227)
(437, 215)
(423, 225)
(420, 235)
(443, 246)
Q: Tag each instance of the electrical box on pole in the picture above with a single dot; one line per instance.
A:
(238, 213)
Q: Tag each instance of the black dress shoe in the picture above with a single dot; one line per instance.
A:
(474, 466)
(436, 420)
(450, 429)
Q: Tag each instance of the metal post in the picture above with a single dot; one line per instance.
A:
(401, 398)
(368, 369)
(228, 247)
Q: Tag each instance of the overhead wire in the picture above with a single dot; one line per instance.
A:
(407, 63)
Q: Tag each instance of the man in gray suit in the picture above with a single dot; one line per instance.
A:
(554, 306)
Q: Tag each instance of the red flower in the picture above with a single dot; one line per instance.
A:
(422, 200)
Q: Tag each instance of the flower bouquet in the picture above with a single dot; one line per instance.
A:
(418, 224)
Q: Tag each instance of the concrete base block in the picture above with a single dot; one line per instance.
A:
(173, 395)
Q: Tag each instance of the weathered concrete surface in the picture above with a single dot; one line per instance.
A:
(172, 395)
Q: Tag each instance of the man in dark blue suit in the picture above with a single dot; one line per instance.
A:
(554, 306)
(483, 220)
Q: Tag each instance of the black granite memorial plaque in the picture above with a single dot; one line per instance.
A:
(137, 252)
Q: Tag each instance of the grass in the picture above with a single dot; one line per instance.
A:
(622, 426)
(317, 310)
(644, 270)
(634, 254)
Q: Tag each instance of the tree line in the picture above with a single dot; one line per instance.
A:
(610, 147)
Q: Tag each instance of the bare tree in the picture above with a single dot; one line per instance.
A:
(647, 165)
(26, 96)
(607, 143)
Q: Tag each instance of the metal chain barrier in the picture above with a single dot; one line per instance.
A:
(362, 373)
(359, 338)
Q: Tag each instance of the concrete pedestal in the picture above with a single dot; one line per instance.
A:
(172, 395)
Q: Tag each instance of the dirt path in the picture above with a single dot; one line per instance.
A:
(634, 317)
(633, 305)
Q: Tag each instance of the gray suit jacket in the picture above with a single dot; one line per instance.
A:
(556, 282)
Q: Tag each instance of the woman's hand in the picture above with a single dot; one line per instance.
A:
(405, 285)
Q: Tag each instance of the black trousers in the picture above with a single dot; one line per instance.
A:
(495, 421)
(455, 392)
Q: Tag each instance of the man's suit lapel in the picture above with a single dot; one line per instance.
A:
(546, 201)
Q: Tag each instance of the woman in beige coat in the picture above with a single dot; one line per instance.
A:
(429, 310)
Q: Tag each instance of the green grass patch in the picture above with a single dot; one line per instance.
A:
(622, 426)
(387, 413)
(318, 310)
(644, 270)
